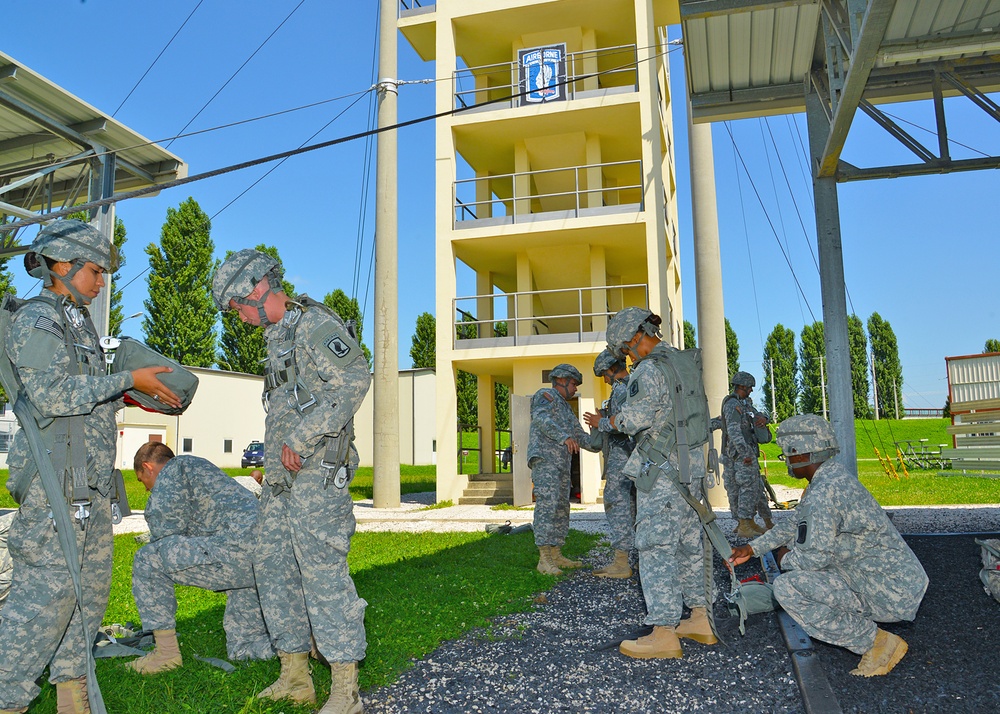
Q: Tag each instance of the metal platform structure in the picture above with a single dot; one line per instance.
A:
(830, 59)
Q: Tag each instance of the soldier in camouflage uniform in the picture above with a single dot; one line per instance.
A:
(619, 490)
(740, 451)
(668, 533)
(555, 435)
(315, 381)
(53, 347)
(847, 567)
(200, 521)
(6, 564)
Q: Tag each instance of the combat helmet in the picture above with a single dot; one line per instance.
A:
(605, 361)
(74, 242)
(807, 434)
(623, 326)
(743, 379)
(567, 371)
(238, 276)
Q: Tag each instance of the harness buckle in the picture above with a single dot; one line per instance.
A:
(82, 513)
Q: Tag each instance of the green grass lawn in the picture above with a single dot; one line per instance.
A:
(422, 589)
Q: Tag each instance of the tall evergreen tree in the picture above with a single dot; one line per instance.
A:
(689, 340)
(859, 367)
(501, 392)
(812, 365)
(888, 370)
(991, 345)
(732, 350)
(423, 345)
(242, 344)
(115, 314)
(467, 383)
(180, 314)
(348, 309)
(779, 351)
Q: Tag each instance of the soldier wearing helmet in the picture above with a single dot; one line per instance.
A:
(846, 567)
(619, 491)
(742, 427)
(54, 350)
(554, 437)
(316, 377)
(668, 534)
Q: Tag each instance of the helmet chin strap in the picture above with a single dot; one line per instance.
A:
(66, 280)
(259, 304)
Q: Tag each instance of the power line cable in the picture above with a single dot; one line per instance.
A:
(366, 170)
(746, 235)
(238, 70)
(791, 194)
(169, 42)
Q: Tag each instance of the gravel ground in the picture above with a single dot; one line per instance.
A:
(562, 656)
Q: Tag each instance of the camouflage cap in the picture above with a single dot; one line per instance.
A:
(623, 326)
(240, 273)
(808, 434)
(605, 361)
(69, 240)
(743, 379)
(567, 371)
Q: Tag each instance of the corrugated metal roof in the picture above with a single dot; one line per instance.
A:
(42, 125)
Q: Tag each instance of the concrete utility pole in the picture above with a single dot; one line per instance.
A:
(774, 402)
(385, 407)
(708, 275)
(822, 385)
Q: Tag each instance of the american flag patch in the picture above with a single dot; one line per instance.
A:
(49, 325)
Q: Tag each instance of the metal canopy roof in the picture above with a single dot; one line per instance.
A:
(749, 58)
(50, 142)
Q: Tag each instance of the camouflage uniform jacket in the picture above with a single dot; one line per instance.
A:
(330, 366)
(552, 422)
(647, 411)
(739, 439)
(191, 497)
(6, 563)
(60, 384)
(839, 527)
(613, 439)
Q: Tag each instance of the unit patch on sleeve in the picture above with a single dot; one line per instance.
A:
(633, 388)
(338, 346)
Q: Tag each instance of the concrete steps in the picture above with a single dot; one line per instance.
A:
(488, 490)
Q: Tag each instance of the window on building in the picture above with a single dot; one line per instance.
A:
(227, 446)
(187, 446)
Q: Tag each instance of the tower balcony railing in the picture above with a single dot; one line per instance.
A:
(549, 194)
(414, 7)
(599, 72)
(539, 317)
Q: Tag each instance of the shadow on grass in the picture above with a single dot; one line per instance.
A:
(422, 590)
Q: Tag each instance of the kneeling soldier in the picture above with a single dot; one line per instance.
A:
(847, 566)
(201, 523)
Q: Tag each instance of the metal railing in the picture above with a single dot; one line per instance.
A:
(524, 322)
(408, 5)
(567, 191)
(587, 70)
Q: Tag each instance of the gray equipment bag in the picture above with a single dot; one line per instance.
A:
(750, 597)
(131, 354)
(990, 574)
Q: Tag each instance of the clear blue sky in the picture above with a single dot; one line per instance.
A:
(919, 251)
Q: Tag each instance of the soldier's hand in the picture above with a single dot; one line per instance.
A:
(741, 554)
(145, 381)
(572, 445)
(760, 420)
(747, 460)
(592, 419)
(290, 460)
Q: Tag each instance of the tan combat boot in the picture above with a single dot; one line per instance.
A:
(166, 655)
(71, 697)
(661, 643)
(344, 695)
(294, 682)
(561, 560)
(885, 654)
(617, 568)
(545, 564)
(748, 529)
(697, 627)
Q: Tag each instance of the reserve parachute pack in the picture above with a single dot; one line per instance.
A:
(126, 354)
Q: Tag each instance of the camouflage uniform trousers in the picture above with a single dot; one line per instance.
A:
(6, 564)
(208, 562)
(300, 564)
(551, 477)
(40, 625)
(745, 489)
(668, 535)
(828, 609)
(619, 501)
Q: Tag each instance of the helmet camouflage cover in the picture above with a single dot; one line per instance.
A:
(604, 361)
(239, 274)
(808, 434)
(743, 379)
(623, 326)
(70, 240)
(565, 371)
